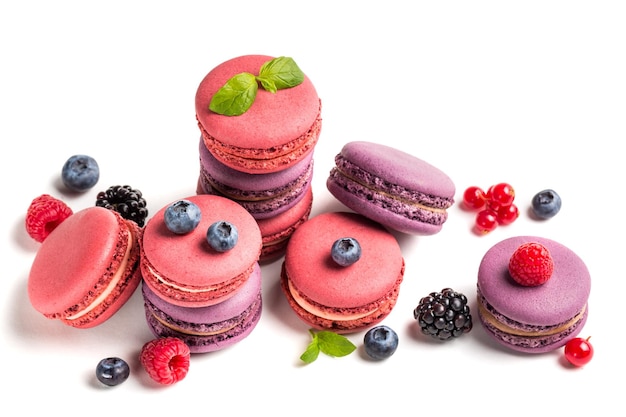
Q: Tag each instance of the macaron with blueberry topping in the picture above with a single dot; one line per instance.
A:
(332, 276)
(184, 268)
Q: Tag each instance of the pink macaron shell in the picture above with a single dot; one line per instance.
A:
(282, 125)
(277, 230)
(237, 317)
(189, 263)
(77, 262)
(313, 272)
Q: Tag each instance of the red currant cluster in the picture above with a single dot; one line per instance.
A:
(495, 207)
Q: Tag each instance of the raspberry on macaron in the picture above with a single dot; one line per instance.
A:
(531, 264)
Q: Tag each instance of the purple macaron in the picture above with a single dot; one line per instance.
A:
(212, 328)
(392, 187)
(533, 319)
(263, 195)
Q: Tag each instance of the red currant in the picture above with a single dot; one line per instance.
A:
(579, 351)
(502, 193)
(486, 221)
(474, 197)
(507, 214)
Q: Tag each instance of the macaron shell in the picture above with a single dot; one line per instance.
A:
(76, 263)
(263, 195)
(276, 131)
(193, 270)
(382, 215)
(239, 314)
(277, 230)
(558, 300)
(313, 272)
(397, 167)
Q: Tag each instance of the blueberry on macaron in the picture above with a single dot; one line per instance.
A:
(346, 251)
(80, 173)
(222, 236)
(182, 216)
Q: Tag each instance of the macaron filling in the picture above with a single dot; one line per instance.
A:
(264, 160)
(118, 279)
(411, 204)
(202, 329)
(526, 335)
(187, 294)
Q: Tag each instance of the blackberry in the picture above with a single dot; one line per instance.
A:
(444, 315)
(126, 201)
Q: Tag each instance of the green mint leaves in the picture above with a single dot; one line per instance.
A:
(236, 96)
(330, 343)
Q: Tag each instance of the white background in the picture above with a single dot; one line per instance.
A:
(531, 93)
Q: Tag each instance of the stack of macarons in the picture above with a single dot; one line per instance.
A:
(258, 150)
(208, 296)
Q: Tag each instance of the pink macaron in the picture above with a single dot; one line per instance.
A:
(343, 299)
(86, 269)
(263, 195)
(533, 319)
(392, 187)
(185, 270)
(277, 131)
(211, 328)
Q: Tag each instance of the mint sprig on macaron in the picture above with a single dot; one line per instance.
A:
(236, 96)
(325, 341)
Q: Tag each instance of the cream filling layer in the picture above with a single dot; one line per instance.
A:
(489, 318)
(393, 197)
(117, 277)
(321, 313)
(190, 332)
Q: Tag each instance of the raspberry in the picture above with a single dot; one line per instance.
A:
(531, 264)
(44, 214)
(165, 359)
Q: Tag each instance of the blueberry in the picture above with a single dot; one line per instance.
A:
(380, 342)
(80, 173)
(546, 204)
(112, 371)
(346, 251)
(222, 236)
(182, 217)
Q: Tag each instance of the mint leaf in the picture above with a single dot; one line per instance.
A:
(280, 73)
(327, 342)
(236, 96)
(334, 344)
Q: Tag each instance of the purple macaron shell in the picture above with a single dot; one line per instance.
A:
(263, 195)
(239, 314)
(542, 307)
(391, 187)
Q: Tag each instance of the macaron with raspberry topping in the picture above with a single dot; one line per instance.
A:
(86, 268)
(532, 294)
(343, 297)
